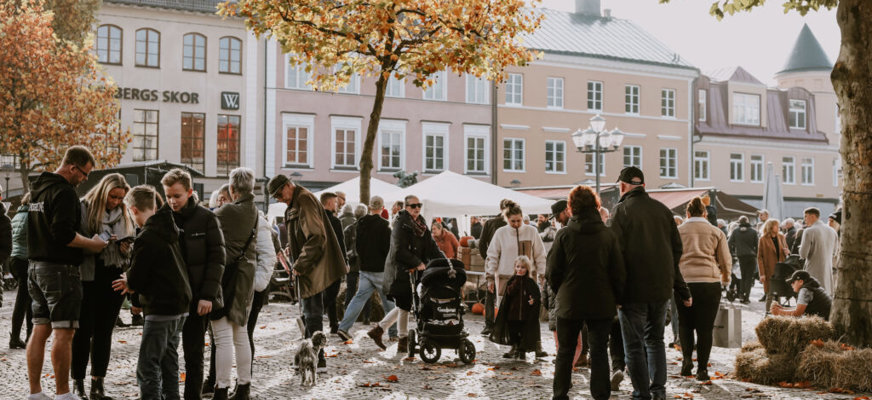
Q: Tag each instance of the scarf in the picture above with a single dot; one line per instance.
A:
(114, 223)
(419, 226)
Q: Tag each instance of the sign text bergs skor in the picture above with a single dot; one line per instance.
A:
(229, 100)
(167, 96)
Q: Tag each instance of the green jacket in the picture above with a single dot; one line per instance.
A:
(19, 233)
(238, 222)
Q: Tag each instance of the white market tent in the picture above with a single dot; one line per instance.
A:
(351, 188)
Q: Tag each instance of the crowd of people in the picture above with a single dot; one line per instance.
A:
(605, 280)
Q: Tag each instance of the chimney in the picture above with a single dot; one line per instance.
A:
(607, 13)
(588, 7)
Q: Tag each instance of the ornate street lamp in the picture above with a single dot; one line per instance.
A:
(596, 140)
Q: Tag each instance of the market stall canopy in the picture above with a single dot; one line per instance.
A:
(351, 188)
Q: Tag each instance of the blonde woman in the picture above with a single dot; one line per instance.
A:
(771, 249)
(104, 214)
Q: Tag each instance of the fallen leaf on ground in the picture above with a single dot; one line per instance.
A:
(428, 387)
(709, 382)
(349, 341)
(470, 373)
(536, 372)
(392, 378)
(472, 395)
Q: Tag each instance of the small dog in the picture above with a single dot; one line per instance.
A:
(307, 358)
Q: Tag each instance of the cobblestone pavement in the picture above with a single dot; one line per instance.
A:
(360, 371)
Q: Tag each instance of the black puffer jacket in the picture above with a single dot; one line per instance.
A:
(157, 269)
(373, 242)
(5, 235)
(407, 251)
(202, 244)
(651, 247)
(743, 242)
(586, 269)
(54, 219)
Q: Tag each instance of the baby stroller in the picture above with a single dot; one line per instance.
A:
(778, 284)
(437, 304)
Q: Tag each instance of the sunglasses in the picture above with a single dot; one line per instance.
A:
(81, 171)
(415, 205)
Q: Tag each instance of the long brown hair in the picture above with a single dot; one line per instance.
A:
(695, 208)
(96, 199)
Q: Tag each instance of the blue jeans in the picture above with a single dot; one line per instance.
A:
(642, 326)
(157, 371)
(369, 282)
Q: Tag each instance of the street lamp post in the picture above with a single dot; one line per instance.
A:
(8, 168)
(596, 140)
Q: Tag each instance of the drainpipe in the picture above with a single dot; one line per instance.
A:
(494, 127)
(265, 110)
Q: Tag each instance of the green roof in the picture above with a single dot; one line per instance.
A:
(807, 54)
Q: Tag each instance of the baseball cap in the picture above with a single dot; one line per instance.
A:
(799, 275)
(632, 175)
(277, 183)
(376, 203)
(558, 207)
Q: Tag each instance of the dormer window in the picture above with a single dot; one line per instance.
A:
(746, 109)
(797, 116)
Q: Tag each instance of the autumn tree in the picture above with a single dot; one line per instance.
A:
(52, 94)
(851, 77)
(400, 38)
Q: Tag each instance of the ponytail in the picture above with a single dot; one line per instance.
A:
(695, 208)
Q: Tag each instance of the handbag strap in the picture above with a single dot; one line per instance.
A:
(248, 242)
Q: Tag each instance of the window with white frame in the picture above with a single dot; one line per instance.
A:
(737, 167)
(515, 89)
(788, 170)
(700, 105)
(667, 103)
(436, 91)
(555, 92)
(555, 156)
(796, 117)
(701, 165)
(631, 99)
(594, 96)
(807, 171)
(476, 90)
(297, 144)
(475, 139)
(746, 109)
(353, 86)
(633, 156)
(837, 171)
(756, 168)
(588, 164)
(435, 147)
(395, 87)
(346, 141)
(391, 146)
(296, 75)
(513, 155)
(668, 163)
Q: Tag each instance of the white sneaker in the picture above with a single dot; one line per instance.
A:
(39, 396)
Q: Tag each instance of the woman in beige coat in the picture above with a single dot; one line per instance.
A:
(771, 249)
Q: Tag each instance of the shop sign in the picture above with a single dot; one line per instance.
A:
(229, 100)
(166, 96)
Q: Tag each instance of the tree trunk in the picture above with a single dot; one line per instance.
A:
(25, 181)
(369, 142)
(851, 75)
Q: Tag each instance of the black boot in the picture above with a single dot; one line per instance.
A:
(97, 391)
(513, 352)
(16, 343)
(79, 389)
(208, 385)
(242, 392)
(686, 368)
(220, 394)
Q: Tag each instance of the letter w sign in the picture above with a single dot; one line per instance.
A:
(229, 101)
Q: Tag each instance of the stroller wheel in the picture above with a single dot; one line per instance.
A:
(466, 352)
(413, 342)
(429, 352)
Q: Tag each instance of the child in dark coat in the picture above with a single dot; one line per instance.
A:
(517, 323)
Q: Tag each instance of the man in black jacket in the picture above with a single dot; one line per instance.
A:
(743, 244)
(372, 244)
(651, 248)
(202, 245)
(330, 201)
(487, 234)
(55, 250)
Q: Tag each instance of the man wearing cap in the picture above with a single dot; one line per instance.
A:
(810, 300)
(560, 213)
(318, 261)
(487, 234)
(651, 247)
(372, 245)
(817, 248)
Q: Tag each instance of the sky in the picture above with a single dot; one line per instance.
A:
(759, 41)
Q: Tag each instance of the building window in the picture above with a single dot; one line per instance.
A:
(436, 91)
(145, 134)
(515, 89)
(588, 164)
(555, 157)
(756, 168)
(594, 96)
(838, 119)
(476, 149)
(297, 143)
(797, 114)
(230, 55)
(194, 52)
(631, 99)
(667, 103)
(147, 48)
(633, 156)
(228, 143)
(296, 75)
(701, 165)
(700, 105)
(555, 92)
(435, 147)
(668, 163)
(108, 44)
(476, 90)
(390, 150)
(788, 170)
(807, 167)
(353, 86)
(737, 167)
(396, 88)
(746, 109)
(194, 140)
(344, 148)
(513, 155)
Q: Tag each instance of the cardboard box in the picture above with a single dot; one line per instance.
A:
(471, 259)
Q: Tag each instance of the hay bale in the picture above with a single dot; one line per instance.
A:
(790, 335)
(767, 369)
(751, 346)
(830, 365)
